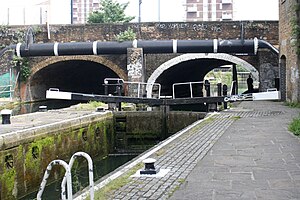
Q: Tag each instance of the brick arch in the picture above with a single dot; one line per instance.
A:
(26, 93)
(97, 59)
(193, 56)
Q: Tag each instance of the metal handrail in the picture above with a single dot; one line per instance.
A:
(121, 81)
(91, 175)
(185, 83)
(47, 173)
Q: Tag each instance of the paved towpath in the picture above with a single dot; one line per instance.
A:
(27, 121)
(244, 153)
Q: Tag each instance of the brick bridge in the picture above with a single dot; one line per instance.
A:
(86, 73)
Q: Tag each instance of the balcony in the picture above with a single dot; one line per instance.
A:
(226, 16)
(226, 1)
(192, 9)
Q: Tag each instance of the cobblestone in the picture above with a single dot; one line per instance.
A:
(181, 157)
(238, 161)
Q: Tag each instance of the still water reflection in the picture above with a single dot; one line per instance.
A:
(80, 177)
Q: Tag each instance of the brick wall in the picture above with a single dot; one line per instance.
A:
(288, 56)
(267, 30)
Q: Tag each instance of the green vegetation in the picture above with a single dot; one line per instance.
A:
(23, 65)
(91, 105)
(8, 179)
(219, 77)
(296, 29)
(34, 163)
(110, 12)
(127, 35)
(103, 193)
(294, 126)
(293, 104)
(236, 117)
(179, 181)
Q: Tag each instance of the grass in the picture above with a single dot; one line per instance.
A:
(292, 104)
(180, 181)
(294, 126)
(104, 192)
(235, 117)
(91, 105)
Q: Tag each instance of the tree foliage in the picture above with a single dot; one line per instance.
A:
(110, 12)
(127, 35)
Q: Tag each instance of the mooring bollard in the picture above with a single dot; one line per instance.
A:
(207, 87)
(225, 94)
(5, 114)
(42, 108)
(149, 166)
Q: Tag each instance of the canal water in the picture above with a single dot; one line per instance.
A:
(80, 178)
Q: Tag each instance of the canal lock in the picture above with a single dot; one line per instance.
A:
(120, 133)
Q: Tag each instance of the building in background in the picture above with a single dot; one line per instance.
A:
(82, 8)
(209, 10)
(35, 12)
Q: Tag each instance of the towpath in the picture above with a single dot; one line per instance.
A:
(244, 153)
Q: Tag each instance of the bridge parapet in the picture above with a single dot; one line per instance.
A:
(266, 30)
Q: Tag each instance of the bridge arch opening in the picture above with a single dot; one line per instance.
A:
(79, 74)
(192, 67)
(283, 77)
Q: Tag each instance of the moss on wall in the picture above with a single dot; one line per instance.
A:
(31, 159)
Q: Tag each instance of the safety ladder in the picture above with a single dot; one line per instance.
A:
(67, 180)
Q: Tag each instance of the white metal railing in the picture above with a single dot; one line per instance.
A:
(141, 86)
(47, 173)
(91, 174)
(186, 83)
(67, 180)
(213, 88)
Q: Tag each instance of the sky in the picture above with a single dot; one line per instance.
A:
(174, 11)
(154, 10)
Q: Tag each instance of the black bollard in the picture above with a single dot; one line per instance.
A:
(219, 87)
(5, 114)
(149, 166)
(118, 88)
(225, 95)
(105, 87)
(207, 87)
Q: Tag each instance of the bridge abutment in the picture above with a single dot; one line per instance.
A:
(135, 70)
(268, 69)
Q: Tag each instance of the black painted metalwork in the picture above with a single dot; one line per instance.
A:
(154, 47)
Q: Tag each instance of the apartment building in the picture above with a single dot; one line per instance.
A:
(209, 10)
(82, 8)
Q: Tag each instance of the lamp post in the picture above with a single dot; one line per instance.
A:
(140, 2)
(158, 8)
(71, 11)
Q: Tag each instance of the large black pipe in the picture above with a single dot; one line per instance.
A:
(154, 47)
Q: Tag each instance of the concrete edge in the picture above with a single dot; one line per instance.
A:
(8, 140)
(123, 169)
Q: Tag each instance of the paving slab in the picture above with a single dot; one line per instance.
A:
(260, 154)
(243, 153)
